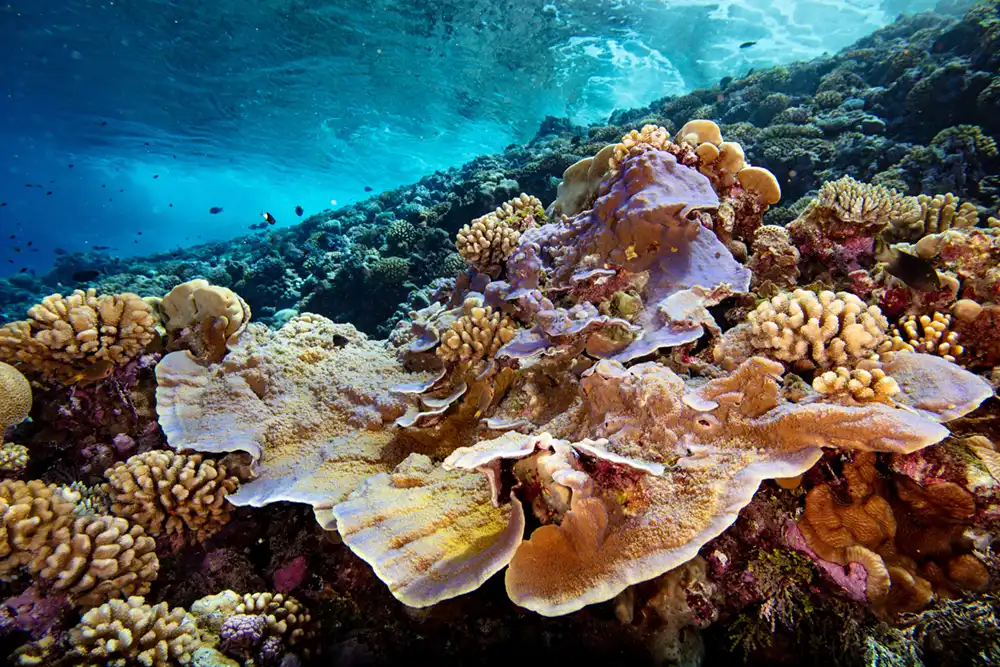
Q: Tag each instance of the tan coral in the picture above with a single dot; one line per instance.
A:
(204, 318)
(96, 558)
(845, 208)
(131, 632)
(285, 616)
(930, 334)
(937, 214)
(80, 337)
(172, 494)
(775, 258)
(479, 333)
(15, 397)
(30, 512)
(648, 138)
(824, 329)
(13, 458)
(762, 182)
(580, 183)
(865, 383)
(487, 242)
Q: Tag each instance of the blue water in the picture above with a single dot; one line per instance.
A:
(131, 119)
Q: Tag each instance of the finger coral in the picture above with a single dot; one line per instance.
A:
(203, 318)
(96, 558)
(80, 337)
(863, 384)
(13, 458)
(31, 511)
(172, 494)
(804, 328)
(284, 617)
(479, 332)
(132, 633)
(930, 334)
(937, 214)
(487, 242)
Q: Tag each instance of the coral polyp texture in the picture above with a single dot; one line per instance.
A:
(172, 494)
(80, 337)
(737, 372)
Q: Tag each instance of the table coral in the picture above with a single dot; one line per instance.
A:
(172, 494)
(80, 337)
(310, 402)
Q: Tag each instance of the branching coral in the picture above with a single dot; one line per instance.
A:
(928, 334)
(838, 227)
(862, 383)
(937, 214)
(172, 494)
(487, 242)
(479, 333)
(80, 337)
(13, 458)
(132, 633)
(31, 511)
(808, 329)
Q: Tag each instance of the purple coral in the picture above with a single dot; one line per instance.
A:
(242, 634)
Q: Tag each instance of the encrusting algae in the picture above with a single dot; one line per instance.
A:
(569, 409)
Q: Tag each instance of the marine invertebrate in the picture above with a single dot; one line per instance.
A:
(285, 618)
(972, 255)
(479, 333)
(862, 383)
(203, 318)
(937, 214)
(30, 512)
(775, 259)
(488, 241)
(172, 494)
(15, 397)
(311, 402)
(838, 227)
(13, 458)
(131, 632)
(80, 337)
(673, 466)
(807, 329)
(390, 270)
(95, 558)
(930, 334)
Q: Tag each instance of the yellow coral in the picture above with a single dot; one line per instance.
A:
(13, 458)
(79, 337)
(937, 214)
(827, 329)
(479, 333)
(96, 558)
(15, 397)
(30, 512)
(928, 334)
(172, 494)
(130, 632)
(285, 616)
(487, 242)
(203, 317)
(863, 383)
(649, 137)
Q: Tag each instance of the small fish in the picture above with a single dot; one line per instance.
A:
(23, 270)
(102, 247)
(85, 275)
(29, 243)
(215, 210)
(299, 211)
(59, 251)
(368, 188)
(270, 218)
(916, 272)
(156, 175)
(747, 45)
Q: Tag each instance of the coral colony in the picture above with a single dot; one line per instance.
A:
(654, 395)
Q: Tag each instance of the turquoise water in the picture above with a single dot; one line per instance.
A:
(138, 117)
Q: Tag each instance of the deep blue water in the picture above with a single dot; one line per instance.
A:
(130, 119)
